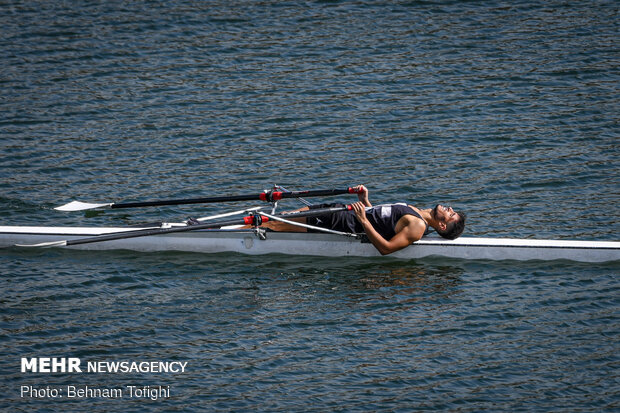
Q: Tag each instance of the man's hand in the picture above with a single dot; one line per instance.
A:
(362, 195)
(360, 212)
(412, 230)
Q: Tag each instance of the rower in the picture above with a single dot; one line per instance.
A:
(388, 227)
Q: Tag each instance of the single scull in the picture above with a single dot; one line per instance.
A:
(248, 241)
(231, 236)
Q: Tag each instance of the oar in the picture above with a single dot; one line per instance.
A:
(247, 220)
(269, 196)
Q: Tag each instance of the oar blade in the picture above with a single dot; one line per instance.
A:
(80, 206)
(44, 244)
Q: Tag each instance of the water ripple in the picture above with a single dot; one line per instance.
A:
(508, 110)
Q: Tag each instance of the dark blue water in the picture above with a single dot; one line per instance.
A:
(508, 110)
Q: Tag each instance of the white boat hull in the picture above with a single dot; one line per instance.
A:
(314, 244)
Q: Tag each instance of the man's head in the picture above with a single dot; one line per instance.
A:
(450, 224)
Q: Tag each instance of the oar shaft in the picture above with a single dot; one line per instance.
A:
(248, 220)
(318, 192)
(207, 200)
(157, 231)
(270, 196)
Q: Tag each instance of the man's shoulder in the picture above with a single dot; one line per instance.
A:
(413, 220)
(414, 225)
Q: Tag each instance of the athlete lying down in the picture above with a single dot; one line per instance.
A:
(390, 227)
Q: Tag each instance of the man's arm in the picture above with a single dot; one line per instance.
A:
(411, 232)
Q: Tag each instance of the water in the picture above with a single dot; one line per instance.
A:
(508, 110)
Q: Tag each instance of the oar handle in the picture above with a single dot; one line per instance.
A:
(272, 196)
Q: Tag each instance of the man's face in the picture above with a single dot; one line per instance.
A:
(444, 214)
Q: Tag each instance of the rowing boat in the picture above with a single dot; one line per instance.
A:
(246, 236)
(253, 242)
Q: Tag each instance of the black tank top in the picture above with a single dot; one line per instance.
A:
(384, 218)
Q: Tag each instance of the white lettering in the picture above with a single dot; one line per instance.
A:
(51, 365)
(94, 392)
(58, 363)
(44, 365)
(29, 365)
(112, 367)
(132, 366)
(154, 393)
(74, 365)
(33, 392)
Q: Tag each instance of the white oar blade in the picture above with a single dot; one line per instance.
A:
(80, 206)
(44, 244)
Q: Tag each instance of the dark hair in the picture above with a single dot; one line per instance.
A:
(454, 229)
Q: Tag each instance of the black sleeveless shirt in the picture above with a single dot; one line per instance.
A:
(384, 217)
